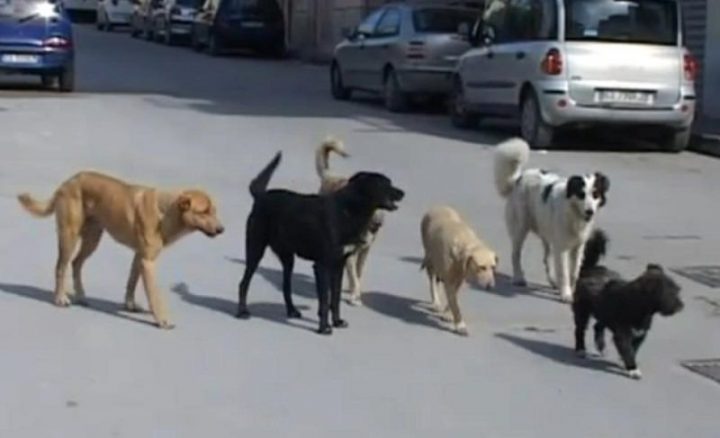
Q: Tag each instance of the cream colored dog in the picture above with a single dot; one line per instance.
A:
(454, 254)
(329, 183)
(144, 219)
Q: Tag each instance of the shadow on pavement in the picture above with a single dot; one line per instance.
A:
(561, 354)
(408, 310)
(94, 304)
(302, 284)
(274, 312)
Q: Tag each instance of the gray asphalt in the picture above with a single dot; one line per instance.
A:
(174, 118)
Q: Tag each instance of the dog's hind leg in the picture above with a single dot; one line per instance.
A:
(322, 283)
(130, 303)
(288, 263)
(434, 293)
(518, 240)
(69, 222)
(582, 318)
(351, 267)
(599, 338)
(90, 236)
(336, 275)
(255, 245)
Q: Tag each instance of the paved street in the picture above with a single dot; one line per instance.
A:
(174, 118)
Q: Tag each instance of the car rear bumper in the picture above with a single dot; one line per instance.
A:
(237, 36)
(558, 109)
(49, 62)
(425, 80)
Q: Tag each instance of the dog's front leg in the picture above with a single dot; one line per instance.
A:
(600, 338)
(157, 305)
(452, 290)
(130, 303)
(549, 270)
(563, 277)
(336, 274)
(576, 258)
(623, 342)
(322, 288)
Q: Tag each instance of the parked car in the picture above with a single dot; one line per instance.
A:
(36, 38)
(141, 18)
(112, 13)
(610, 62)
(249, 24)
(402, 50)
(173, 20)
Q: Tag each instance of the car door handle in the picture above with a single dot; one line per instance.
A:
(520, 55)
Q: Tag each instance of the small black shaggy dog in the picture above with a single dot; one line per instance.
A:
(625, 307)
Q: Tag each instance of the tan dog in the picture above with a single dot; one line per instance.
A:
(142, 218)
(454, 254)
(329, 183)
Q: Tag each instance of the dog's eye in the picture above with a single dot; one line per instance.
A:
(581, 196)
(596, 194)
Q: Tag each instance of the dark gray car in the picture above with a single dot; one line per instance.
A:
(402, 50)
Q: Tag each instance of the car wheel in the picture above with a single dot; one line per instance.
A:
(676, 141)
(169, 38)
(395, 100)
(148, 33)
(460, 116)
(66, 80)
(338, 89)
(98, 22)
(48, 81)
(214, 47)
(533, 128)
(134, 32)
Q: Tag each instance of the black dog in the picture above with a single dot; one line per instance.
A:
(625, 307)
(319, 228)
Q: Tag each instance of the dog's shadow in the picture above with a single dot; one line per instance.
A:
(504, 286)
(274, 312)
(562, 354)
(302, 284)
(408, 310)
(101, 305)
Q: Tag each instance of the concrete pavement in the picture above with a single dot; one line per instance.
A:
(171, 117)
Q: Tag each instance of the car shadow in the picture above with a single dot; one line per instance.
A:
(94, 304)
(408, 310)
(274, 312)
(302, 284)
(561, 354)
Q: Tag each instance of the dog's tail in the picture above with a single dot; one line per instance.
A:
(510, 158)
(258, 186)
(595, 249)
(35, 207)
(322, 154)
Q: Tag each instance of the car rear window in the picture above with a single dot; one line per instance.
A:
(628, 21)
(19, 9)
(442, 20)
(258, 8)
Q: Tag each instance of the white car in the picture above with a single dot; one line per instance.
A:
(111, 13)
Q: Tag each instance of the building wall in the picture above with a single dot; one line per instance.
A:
(711, 92)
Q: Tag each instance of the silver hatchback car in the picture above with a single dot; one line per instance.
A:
(402, 50)
(575, 63)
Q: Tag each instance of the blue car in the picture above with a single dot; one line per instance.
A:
(36, 39)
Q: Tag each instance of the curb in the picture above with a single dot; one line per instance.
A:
(706, 145)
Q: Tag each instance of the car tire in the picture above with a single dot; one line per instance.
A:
(98, 23)
(134, 32)
(195, 41)
(148, 33)
(66, 80)
(168, 39)
(395, 100)
(337, 87)
(214, 48)
(676, 141)
(460, 116)
(533, 128)
(48, 81)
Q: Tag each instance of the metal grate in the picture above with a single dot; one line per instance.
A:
(706, 275)
(709, 368)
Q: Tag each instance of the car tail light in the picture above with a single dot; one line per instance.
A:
(552, 64)
(57, 43)
(415, 50)
(690, 66)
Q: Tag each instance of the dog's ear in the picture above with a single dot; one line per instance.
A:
(575, 187)
(601, 186)
(184, 202)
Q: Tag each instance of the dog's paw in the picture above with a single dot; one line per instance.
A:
(242, 314)
(566, 297)
(340, 323)
(165, 325)
(133, 307)
(325, 330)
(63, 301)
(635, 374)
(461, 329)
(294, 313)
(354, 301)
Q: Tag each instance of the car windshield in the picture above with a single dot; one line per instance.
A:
(633, 21)
(261, 8)
(441, 20)
(22, 9)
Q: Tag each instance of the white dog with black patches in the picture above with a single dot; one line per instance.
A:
(560, 211)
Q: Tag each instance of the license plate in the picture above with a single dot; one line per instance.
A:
(12, 58)
(627, 97)
(253, 24)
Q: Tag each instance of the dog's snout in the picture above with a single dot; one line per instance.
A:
(399, 194)
(589, 213)
(220, 229)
